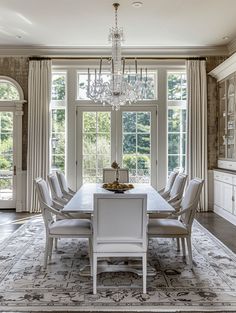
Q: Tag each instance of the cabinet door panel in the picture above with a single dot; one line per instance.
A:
(227, 194)
(217, 193)
(234, 203)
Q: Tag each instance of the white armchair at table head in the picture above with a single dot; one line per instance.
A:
(119, 229)
(109, 175)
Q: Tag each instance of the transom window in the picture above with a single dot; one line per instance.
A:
(8, 91)
(82, 84)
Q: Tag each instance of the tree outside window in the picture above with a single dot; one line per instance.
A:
(58, 122)
(177, 116)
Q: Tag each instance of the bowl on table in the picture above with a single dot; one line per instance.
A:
(117, 187)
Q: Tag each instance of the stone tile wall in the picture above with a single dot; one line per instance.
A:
(17, 68)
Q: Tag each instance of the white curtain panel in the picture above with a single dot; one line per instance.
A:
(197, 125)
(39, 87)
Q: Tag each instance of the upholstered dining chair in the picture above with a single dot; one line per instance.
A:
(119, 229)
(67, 192)
(55, 188)
(166, 190)
(175, 194)
(181, 227)
(109, 175)
(64, 227)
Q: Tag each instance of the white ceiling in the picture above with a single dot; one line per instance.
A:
(85, 23)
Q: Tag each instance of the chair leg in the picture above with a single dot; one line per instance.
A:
(50, 244)
(46, 253)
(91, 255)
(178, 244)
(94, 274)
(189, 245)
(55, 243)
(183, 246)
(144, 258)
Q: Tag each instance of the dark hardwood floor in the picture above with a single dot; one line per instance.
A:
(11, 221)
(219, 227)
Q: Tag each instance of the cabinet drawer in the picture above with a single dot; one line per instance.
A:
(226, 178)
(228, 165)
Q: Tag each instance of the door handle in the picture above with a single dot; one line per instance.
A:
(14, 170)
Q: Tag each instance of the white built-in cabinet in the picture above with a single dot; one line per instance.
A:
(225, 195)
(225, 176)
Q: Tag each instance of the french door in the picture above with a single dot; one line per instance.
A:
(127, 136)
(7, 160)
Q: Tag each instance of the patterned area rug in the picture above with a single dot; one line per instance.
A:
(26, 286)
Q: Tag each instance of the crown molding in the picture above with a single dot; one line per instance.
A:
(232, 46)
(106, 51)
(225, 68)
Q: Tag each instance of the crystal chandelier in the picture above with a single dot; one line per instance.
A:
(119, 87)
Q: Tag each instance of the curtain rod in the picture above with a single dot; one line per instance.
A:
(36, 58)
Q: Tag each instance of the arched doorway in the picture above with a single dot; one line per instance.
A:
(11, 111)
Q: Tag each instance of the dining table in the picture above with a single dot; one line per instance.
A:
(82, 204)
(82, 201)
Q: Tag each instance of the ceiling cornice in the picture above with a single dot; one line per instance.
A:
(106, 51)
(232, 46)
(225, 68)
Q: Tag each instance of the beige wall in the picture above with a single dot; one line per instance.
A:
(17, 68)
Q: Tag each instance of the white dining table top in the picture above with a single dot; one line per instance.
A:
(82, 201)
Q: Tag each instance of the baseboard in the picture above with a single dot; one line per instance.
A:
(225, 214)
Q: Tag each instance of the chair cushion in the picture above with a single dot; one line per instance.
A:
(71, 227)
(164, 226)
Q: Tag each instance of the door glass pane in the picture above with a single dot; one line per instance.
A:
(6, 155)
(136, 143)
(96, 145)
(58, 139)
(177, 120)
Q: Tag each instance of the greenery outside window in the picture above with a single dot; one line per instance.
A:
(8, 92)
(136, 145)
(58, 122)
(177, 121)
(96, 142)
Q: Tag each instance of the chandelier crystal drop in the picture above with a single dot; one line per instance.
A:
(119, 86)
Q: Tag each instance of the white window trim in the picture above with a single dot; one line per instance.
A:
(160, 105)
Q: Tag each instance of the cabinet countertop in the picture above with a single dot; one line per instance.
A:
(225, 171)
